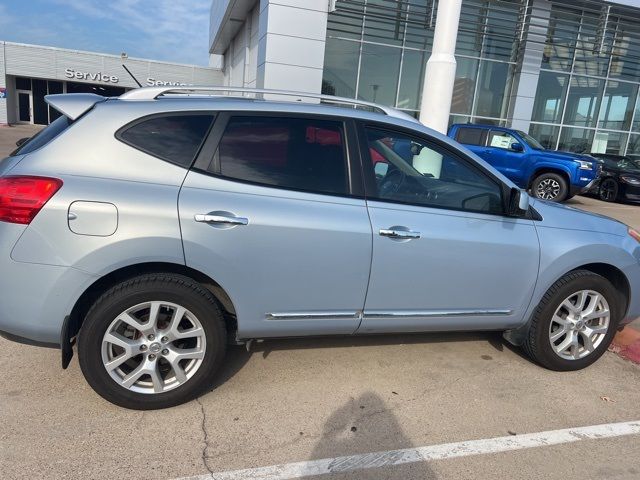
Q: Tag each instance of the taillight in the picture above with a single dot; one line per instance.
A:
(21, 198)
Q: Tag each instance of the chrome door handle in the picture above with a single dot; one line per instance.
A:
(402, 234)
(224, 219)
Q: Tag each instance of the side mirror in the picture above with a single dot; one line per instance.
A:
(517, 147)
(518, 203)
(22, 141)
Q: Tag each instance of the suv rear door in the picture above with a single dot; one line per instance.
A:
(274, 213)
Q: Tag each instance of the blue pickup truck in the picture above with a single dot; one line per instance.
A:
(548, 174)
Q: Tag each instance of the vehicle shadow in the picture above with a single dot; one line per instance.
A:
(353, 434)
(238, 355)
(267, 346)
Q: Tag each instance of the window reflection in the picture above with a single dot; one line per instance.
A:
(609, 142)
(550, 96)
(465, 85)
(492, 89)
(583, 100)
(379, 73)
(340, 67)
(547, 135)
(617, 105)
(414, 63)
(576, 140)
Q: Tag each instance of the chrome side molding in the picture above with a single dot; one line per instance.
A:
(381, 314)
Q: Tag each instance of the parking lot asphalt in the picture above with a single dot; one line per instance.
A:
(308, 399)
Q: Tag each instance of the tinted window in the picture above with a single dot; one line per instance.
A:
(175, 138)
(43, 136)
(419, 173)
(471, 136)
(296, 153)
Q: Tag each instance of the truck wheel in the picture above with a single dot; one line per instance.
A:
(608, 190)
(550, 186)
(153, 341)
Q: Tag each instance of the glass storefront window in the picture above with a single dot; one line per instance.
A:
(385, 21)
(617, 105)
(561, 38)
(349, 23)
(609, 142)
(491, 97)
(421, 18)
(547, 135)
(469, 40)
(576, 140)
(592, 47)
(583, 100)
(634, 146)
(625, 61)
(501, 29)
(340, 67)
(550, 96)
(465, 85)
(414, 64)
(635, 127)
(379, 73)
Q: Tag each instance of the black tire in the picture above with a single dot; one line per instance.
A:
(557, 183)
(163, 287)
(537, 344)
(609, 190)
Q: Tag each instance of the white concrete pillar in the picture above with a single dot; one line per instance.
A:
(440, 75)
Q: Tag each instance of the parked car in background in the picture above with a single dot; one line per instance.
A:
(619, 180)
(156, 228)
(547, 174)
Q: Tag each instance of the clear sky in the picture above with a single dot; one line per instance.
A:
(171, 30)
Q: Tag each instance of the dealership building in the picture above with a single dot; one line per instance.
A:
(29, 72)
(566, 71)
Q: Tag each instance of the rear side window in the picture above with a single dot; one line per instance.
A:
(174, 138)
(472, 136)
(295, 153)
(44, 136)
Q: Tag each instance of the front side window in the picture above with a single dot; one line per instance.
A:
(419, 173)
(174, 138)
(504, 140)
(295, 153)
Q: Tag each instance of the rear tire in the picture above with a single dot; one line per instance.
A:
(550, 186)
(572, 338)
(154, 341)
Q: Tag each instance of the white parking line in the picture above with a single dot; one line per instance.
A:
(421, 454)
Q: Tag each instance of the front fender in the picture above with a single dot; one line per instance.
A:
(564, 250)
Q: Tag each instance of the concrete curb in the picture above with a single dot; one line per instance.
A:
(627, 344)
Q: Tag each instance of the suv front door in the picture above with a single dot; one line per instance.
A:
(444, 255)
(501, 155)
(268, 213)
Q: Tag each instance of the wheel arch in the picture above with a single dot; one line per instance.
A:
(74, 321)
(549, 169)
(612, 273)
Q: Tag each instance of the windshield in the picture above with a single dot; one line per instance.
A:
(532, 142)
(629, 163)
(43, 136)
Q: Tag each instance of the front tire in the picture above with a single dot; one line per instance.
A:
(550, 186)
(609, 190)
(154, 341)
(574, 323)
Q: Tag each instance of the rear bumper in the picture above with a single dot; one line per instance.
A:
(35, 299)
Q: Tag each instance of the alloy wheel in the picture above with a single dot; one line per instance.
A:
(608, 190)
(153, 347)
(579, 325)
(548, 189)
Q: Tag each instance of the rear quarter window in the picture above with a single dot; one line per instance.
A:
(176, 138)
(44, 136)
(472, 136)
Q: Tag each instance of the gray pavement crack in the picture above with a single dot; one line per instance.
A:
(205, 438)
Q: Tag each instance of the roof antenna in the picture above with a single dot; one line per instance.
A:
(129, 72)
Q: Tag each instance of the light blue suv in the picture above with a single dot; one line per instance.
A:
(157, 227)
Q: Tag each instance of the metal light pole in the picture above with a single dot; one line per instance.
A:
(440, 75)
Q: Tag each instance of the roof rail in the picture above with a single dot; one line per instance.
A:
(151, 93)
